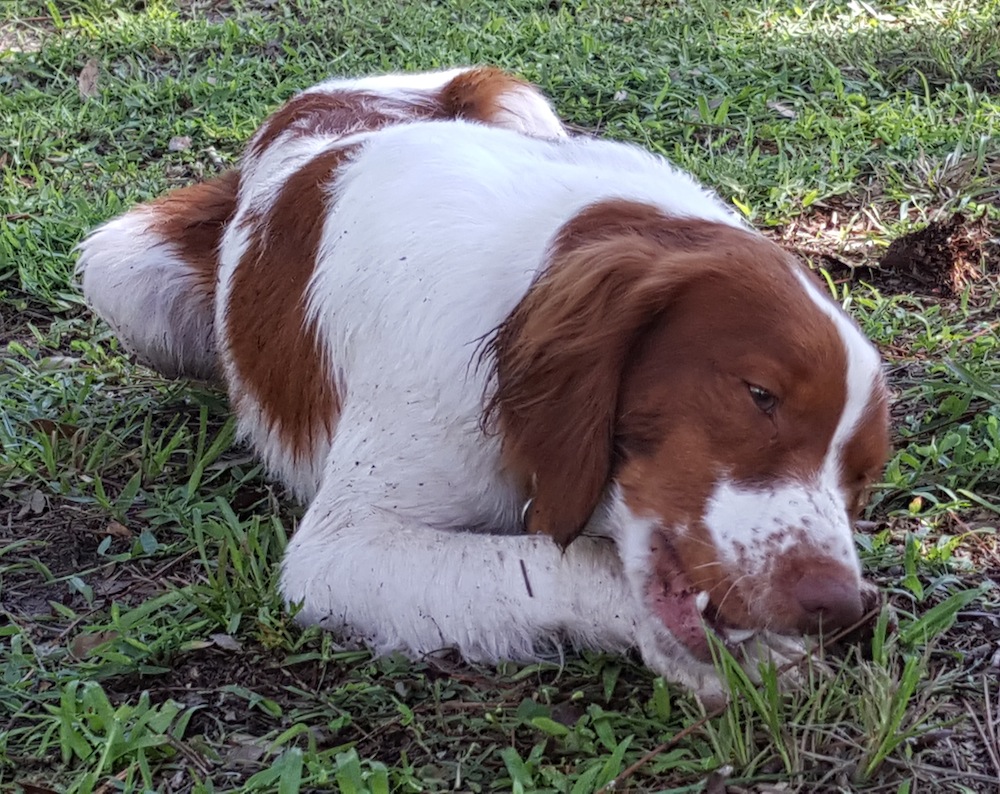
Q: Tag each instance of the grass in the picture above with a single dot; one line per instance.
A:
(143, 645)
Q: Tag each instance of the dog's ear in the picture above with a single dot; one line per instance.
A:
(559, 359)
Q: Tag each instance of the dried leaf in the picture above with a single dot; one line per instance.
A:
(786, 111)
(87, 81)
(567, 713)
(215, 157)
(247, 749)
(716, 783)
(932, 738)
(32, 504)
(55, 363)
(179, 143)
(84, 644)
(195, 645)
(60, 429)
(226, 642)
(117, 530)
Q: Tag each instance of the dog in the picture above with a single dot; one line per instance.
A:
(535, 388)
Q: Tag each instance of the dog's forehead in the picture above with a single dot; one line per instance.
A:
(745, 297)
(752, 320)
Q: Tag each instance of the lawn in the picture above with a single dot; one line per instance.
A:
(142, 644)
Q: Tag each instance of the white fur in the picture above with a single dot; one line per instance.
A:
(526, 111)
(864, 373)
(397, 584)
(140, 285)
(499, 200)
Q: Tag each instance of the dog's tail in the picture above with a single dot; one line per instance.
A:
(151, 274)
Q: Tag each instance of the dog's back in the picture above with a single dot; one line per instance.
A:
(152, 272)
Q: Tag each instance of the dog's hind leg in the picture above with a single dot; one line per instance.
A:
(151, 275)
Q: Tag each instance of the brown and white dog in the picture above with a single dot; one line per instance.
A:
(443, 322)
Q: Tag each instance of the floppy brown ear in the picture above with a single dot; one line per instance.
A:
(559, 359)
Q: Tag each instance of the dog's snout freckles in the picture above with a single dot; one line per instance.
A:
(789, 556)
(753, 529)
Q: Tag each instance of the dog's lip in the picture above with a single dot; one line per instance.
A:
(684, 610)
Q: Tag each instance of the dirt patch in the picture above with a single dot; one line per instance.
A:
(24, 36)
(245, 695)
(59, 560)
(940, 260)
(943, 258)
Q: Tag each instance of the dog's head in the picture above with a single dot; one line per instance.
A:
(697, 375)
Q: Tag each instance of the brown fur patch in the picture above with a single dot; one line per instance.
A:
(340, 112)
(560, 356)
(193, 219)
(475, 95)
(866, 450)
(274, 349)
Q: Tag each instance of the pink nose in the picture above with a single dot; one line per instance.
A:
(828, 602)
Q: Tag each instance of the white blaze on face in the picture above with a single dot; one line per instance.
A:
(752, 526)
(864, 373)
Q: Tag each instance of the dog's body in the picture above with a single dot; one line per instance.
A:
(441, 321)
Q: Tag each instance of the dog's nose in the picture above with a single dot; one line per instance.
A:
(828, 601)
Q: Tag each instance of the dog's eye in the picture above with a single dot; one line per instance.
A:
(763, 399)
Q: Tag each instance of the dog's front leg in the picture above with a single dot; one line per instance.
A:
(395, 585)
